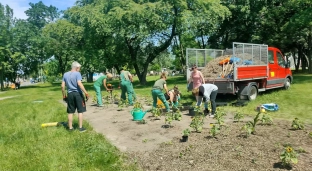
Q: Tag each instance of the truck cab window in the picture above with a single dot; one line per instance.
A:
(270, 57)
(281, 60)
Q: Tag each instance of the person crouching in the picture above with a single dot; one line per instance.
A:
(157, 91)
(207, 92)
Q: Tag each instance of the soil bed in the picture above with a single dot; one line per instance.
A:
(230, 150)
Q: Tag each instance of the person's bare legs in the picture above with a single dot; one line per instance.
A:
(70, 120)
(80, 119)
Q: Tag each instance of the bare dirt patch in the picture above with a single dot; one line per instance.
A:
(154, 147)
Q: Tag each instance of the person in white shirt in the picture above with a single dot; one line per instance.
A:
(205, 93)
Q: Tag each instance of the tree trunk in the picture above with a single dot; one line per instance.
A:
(90, 77)
(1, 78)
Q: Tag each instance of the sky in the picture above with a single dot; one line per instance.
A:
(19, 6)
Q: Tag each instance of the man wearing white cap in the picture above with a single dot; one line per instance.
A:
(75, 100)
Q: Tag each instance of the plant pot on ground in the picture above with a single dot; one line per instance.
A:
(185, 134)
(184, 138)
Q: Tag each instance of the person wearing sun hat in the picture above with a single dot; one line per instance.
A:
(207, 92)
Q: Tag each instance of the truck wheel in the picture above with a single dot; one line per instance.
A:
(287, 84)
(253, 93)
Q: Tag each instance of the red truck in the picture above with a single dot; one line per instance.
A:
(254, 68)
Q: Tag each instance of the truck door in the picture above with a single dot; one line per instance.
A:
(274, 79)
(281, 67)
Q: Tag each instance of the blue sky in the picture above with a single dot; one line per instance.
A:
(19, 6)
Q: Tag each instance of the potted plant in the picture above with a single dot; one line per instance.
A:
(185, 133)
(192, 109)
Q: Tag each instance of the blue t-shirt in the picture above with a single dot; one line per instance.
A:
(71, 80)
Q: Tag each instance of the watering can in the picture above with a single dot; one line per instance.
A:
(138, 114)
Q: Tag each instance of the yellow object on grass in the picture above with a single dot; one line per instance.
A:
(49, 124)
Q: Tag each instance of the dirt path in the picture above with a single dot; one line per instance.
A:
(128, 135)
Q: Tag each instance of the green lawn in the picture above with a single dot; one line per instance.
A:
(24, 145)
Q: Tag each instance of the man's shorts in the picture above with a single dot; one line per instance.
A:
(75, 101)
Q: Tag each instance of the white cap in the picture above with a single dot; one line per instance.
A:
(76, 65)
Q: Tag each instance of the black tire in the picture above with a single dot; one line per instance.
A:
(287, 84)
(252, 93)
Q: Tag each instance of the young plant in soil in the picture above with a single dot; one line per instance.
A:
(297, 124)
(185, 134)
(289, 156)
(177, 115)
(169, 118)
(156, 112)
(238, 116)
(198, 120)
(122, 104)
(250, 127)
(219, 116)
(138, 106)
(266, 119)
(215, 129)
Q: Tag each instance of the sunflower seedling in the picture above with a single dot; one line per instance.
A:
(297, 124)
(289, 156)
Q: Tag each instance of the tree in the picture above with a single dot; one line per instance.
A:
(144, 29)
(6, 24)
(63, 38)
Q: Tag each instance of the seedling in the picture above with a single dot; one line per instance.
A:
(250, 127)
(186, 132)
(122, 104)
(266, 119)
(169, 118)
(138, 105)
(289, 156)
(177, 115)
(157, 112)
(198, 120)
(238, 116)
(214, 130)
(297, 124)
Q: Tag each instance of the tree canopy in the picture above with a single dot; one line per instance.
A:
(141, 34)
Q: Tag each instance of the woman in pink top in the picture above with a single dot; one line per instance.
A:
(197, 79)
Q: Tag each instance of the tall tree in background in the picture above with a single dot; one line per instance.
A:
(6, 37)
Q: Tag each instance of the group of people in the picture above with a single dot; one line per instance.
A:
(75, 99)
(203, 92)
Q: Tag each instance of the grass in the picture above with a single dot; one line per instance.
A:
(24, 145)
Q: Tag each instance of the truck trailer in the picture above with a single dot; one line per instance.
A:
(253, 68)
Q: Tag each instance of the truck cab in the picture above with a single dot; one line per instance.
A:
(280, 74)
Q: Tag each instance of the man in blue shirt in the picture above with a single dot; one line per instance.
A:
(75, 100)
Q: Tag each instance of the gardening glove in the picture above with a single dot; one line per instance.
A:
(87, 97)
(65, 99)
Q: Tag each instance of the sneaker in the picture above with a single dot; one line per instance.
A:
(70, 130)
(211, 116)
(169, 111)
(206, 112)
(82, 129)
(100, 105)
